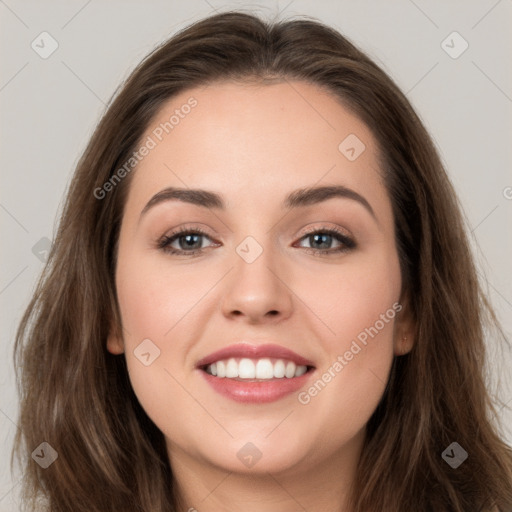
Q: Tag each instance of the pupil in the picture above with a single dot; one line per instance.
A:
(190, 242)
(326, 239)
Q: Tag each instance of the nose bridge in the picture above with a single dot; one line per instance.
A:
(256, 287)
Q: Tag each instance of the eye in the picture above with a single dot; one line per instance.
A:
(188, 241)
(320, 241)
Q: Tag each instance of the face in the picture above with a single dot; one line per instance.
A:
(261, 264)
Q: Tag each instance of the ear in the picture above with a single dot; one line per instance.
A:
(115, 342)
(405, 328)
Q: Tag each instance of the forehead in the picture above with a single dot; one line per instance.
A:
(258, 140)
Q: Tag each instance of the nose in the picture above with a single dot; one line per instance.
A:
(258, 292)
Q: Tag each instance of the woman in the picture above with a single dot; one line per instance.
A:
(188, 348)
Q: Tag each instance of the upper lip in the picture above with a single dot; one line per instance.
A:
(255, 352)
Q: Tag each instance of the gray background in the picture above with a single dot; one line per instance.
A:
(50, 106)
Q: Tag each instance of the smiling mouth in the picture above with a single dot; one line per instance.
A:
(256, 369)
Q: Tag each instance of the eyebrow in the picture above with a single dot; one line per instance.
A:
(296, 199)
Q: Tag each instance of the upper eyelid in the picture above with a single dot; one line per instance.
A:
(311, 226)
(308, 230)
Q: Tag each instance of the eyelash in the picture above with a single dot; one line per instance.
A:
(347, 243)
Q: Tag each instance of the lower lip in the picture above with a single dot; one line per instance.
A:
(256, 392)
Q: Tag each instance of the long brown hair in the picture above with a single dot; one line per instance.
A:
(77, 397)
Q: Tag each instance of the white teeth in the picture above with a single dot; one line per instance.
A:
(221, 369)
(231, 369)
(262, 369)
(290, 370)
(301, 370)
(246, 369)
(279, 369)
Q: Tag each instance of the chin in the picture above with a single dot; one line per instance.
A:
(259, 455)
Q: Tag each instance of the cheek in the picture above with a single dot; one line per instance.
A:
(360, 308)
(352, 297)
(161, 303)
(157, 306)
(154, 297)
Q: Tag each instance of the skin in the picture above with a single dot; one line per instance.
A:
(254, 144)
